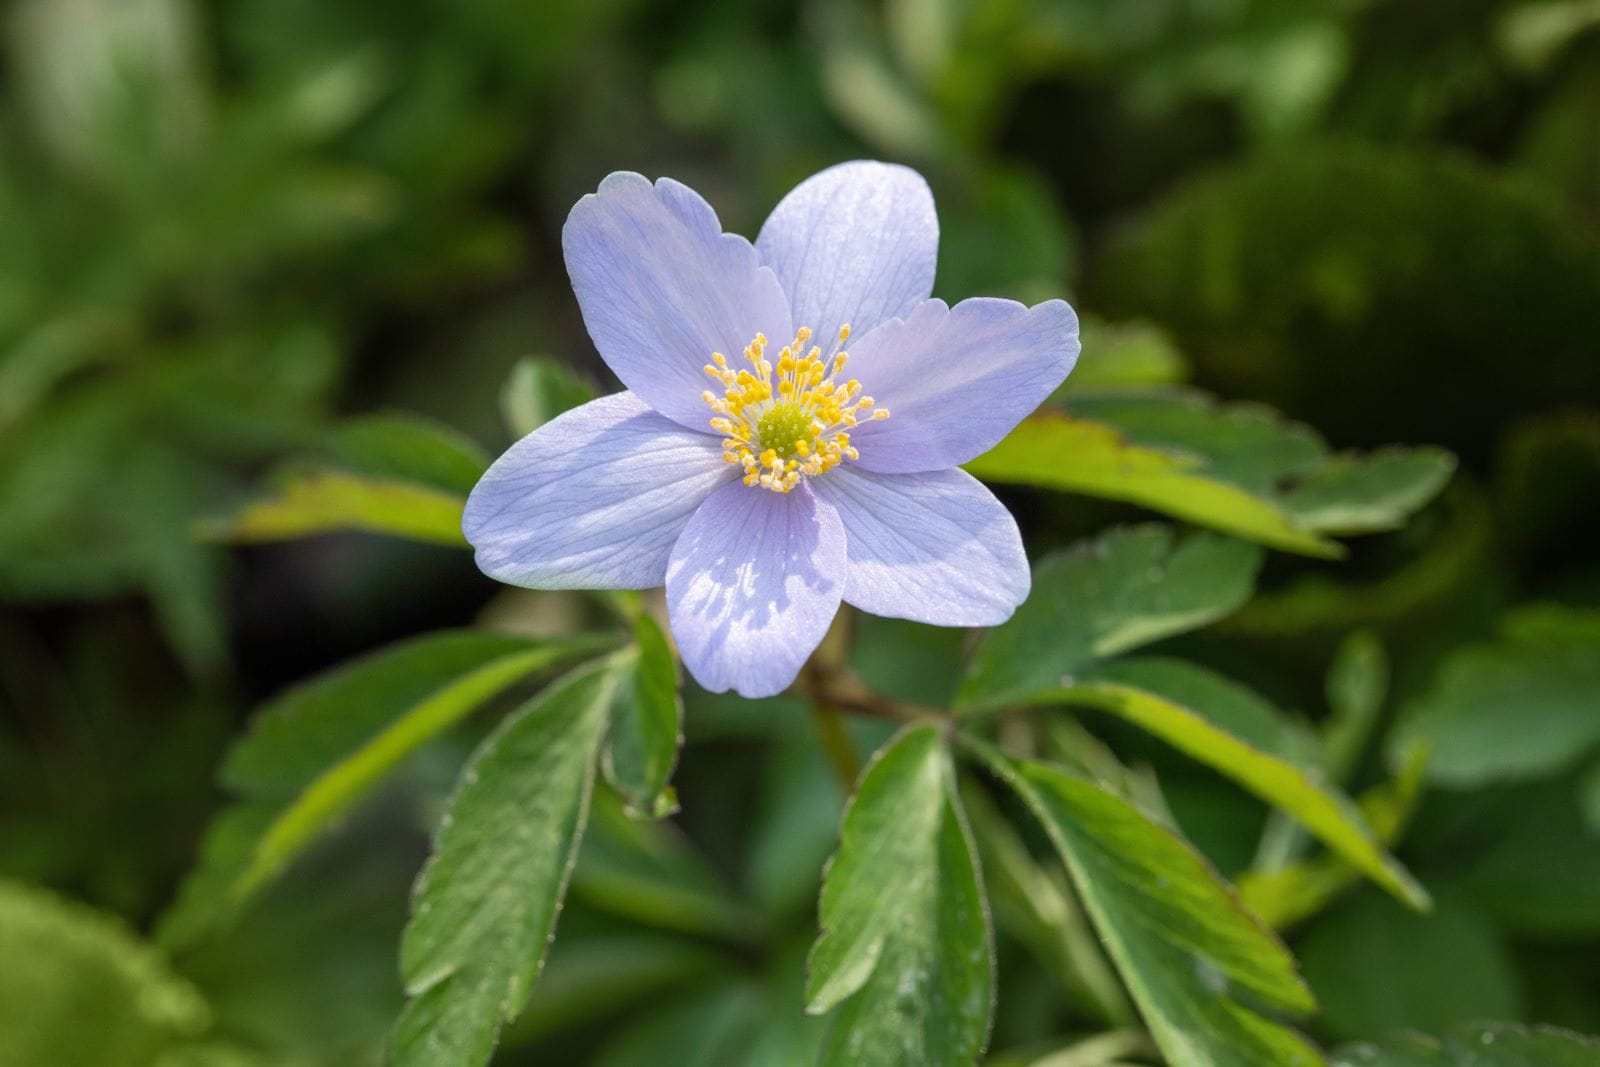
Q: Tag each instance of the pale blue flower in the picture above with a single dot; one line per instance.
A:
(746, 467)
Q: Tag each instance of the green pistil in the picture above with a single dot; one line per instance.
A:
(782, 426)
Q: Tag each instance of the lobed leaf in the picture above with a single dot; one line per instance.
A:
(1194, 960)
(484, 908)
(905, 951)
(1130, 587)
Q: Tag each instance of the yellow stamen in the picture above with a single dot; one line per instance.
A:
(782, 421)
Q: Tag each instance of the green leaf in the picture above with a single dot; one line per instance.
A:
(1194, 960)
(484, 908)
(537, 391)
(1589, 799)
(1367, 494)
(322, 746)
(1283, 897)
(1074, 455)
(1478, 1045)
(1221, 701)
(1098, 598)
(905, 949)
(1356, 686)
(317, 502)
(408, 448)
(1248, 446)
(1521, 706)
(1534, 863)
(78, 988)
(646, 725)
(1297, 790)
(1378, 968)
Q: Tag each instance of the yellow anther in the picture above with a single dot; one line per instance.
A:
(781, 422)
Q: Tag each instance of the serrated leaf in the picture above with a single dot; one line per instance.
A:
(646, 725)
(537, 391)
(1195, 961)
(1297, 790)
(319, 748)
(78, 988)
(1478, 1045)
(1366, 494)
(306, 503)
(408, 448)
(1075, 455)
(484, 908)
(1098, 598)
(905, 949)
(1520, 706)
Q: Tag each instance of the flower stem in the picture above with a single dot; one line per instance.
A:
(837, 744)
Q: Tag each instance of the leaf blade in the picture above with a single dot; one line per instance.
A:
(485, 906)
(901, 890)
(1054, 451)
(1177, 934)
(1097, 598)
(318, 502)
(646, 726)
(1296, 790)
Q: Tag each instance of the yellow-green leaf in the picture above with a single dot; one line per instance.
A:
(1297, 790)
(1054, 451)
(317, 502)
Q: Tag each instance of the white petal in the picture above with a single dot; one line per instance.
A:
(753, 584)
(661, 287)
(956, 380)
(593, 499)
(935, 547)
(856, 243)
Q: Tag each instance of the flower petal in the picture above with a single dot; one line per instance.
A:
(935, 547)
(661, 287)
(753, 584)
(956, 380)
(593, 499)
(856, 243)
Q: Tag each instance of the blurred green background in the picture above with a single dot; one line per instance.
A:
(226, 224)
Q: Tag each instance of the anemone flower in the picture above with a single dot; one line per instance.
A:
(794, 418)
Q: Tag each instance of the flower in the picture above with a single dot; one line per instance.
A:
(794, 417)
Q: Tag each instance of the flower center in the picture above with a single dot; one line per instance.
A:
(790, 419)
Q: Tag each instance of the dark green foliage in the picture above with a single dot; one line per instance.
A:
(279, 278)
